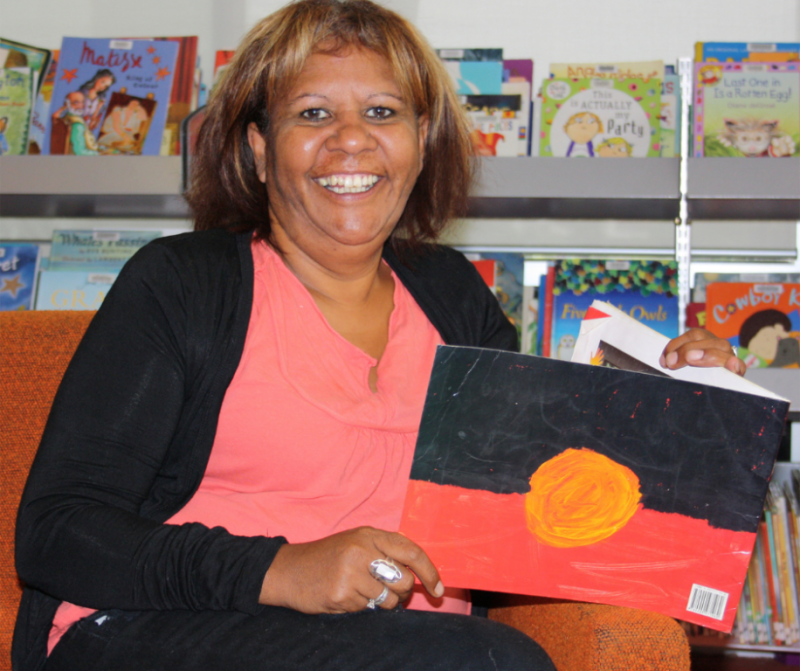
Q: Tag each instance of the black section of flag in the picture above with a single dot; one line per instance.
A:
(492, 418)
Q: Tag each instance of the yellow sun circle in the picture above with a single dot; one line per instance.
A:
(580, 497)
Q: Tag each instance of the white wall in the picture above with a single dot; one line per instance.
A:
(546, 31)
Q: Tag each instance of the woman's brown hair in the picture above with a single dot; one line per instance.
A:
(225, 191)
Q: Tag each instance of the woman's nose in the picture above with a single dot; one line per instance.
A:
(351, 134)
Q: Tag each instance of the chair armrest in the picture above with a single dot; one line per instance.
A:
(594, 637)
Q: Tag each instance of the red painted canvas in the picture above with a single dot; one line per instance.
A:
(552, 478)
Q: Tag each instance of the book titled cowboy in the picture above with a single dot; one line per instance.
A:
(111, 96)
(593, 482)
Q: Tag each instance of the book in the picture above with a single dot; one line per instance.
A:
(670, 117)
(746, 110)
(41, 107)
(593, 483)
(645, 290)
(605, 118)
(222, 58)
(493, 55)
(96, 251)
(18, 55)
(746, 51)
(645, 70)
(19, 264)
(702, 280)
(72, 290)
(761, 319)
(16, 104)
(111, 96)
(476, 77)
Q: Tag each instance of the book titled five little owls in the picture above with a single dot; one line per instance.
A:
(747, 110)
(601, 118)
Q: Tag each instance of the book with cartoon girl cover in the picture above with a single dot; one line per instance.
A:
(600, 118)
(83, 108)
(762, 319)
(746, 110)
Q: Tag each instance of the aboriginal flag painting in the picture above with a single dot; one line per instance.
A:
(551, 478)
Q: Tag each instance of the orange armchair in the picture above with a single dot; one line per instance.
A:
(35, 348)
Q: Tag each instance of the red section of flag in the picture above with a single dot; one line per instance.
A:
(594, 313)
(480, 540)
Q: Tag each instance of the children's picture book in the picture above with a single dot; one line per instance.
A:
(606, 118)
(499, 122)
(41, 108)
(703, 279)
(506, 272)
(645, 70)
(670, 118)
(762, 320)
(494, 55)
(645, 290)
(747, 110)
(593, 483)
(222, 58)
(96, 251)
(19, 264)
(111, 96)
(746, 51)
(476, 77)
(16, 104)
(72, 290)
(18, 55)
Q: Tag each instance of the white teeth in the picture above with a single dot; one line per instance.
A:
(348, 183)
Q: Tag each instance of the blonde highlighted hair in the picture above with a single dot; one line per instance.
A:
(226, 192)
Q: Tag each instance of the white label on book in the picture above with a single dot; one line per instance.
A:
(768, 288)
(755, 67)
(618, 265)
(121, 44)
(602, 83)
(100, 278)
(707, 601)
(106, 236)
(451, 53)
(610, 69)
(763, 47)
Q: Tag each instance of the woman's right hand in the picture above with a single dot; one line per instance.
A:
(332, 575)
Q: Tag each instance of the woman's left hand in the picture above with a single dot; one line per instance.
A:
(698, 347)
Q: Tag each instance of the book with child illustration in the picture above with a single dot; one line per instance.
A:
(16, 106)
(600, 118)
(762, 319)
(594, 482)
(746, 110)
(111, 96)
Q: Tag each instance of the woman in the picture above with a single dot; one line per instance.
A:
(95, 91)
(262, 380)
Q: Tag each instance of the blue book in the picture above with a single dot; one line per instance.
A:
(644, 290)
(110, 96)
(18, 268)
(72, 290)
(105, 251)
(476, 77)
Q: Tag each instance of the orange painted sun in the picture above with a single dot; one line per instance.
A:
(580, 497)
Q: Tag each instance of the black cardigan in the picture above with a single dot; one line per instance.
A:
(133, 422)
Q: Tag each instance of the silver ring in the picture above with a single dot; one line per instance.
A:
(386, 571)
(372, 604)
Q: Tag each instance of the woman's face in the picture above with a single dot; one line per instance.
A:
(342, 154)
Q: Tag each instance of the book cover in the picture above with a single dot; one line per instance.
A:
(644, 290)
(762, 320)
(18, 55)
(499, 122)
(746, 51)
(41, 108)
(16, 104)
(221, 60)
(72, 290)
(606, 118)
(559, 479)
(111, 96)
(670, 118)
(702, 280)
(493, 55)
(19, 264)
(96, 251)
(476, 77)
(746, 110)
(645, 70)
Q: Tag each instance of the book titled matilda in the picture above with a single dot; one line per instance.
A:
(747, 110)
(616, 483)
(605, 118)
(111, 96)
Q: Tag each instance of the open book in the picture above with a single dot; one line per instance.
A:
(590, 482)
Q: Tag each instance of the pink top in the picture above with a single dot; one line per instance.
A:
(340, 456)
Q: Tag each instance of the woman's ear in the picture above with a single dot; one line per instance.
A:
(259, 147)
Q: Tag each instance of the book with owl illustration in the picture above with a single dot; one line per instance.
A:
(645, 290)
(593, 482)
(761, 319)
(111, 96)
(746, 110)
(600, 118)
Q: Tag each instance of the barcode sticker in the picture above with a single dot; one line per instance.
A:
(762, 47)
(106, 236)
(121, 44)
(707, 601)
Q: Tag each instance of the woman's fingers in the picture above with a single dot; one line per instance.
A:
(405, 552)
(698, 347)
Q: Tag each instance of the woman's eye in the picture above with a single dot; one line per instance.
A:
(379, 112)
(314, 114)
